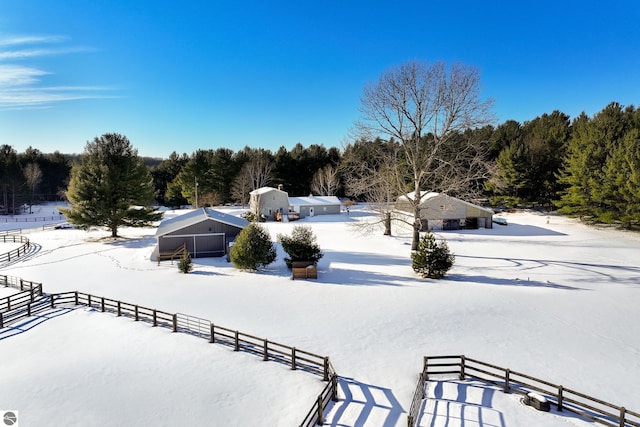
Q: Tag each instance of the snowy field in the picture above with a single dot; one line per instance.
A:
(544, 295)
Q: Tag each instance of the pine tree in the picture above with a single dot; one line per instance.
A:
(253, 248)
(300, 246)
(432, 259)
(110, 187)
(185, 264)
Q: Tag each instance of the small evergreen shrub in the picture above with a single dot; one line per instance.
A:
(432, 259)
(185, 264)
(253, 248)
(253, 217)
(300, 246)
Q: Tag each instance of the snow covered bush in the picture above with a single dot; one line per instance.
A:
(432, 259)
(253, 248)
(185, 264)
(300, 246)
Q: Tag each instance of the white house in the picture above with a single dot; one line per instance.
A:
(270, 202)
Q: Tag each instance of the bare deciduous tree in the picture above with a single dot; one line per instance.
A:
(326, 181)
(33, 176)
(242, 185)
(260, 172)
(378, 184)
(425, 107)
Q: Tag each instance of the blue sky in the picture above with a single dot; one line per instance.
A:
(182, 76)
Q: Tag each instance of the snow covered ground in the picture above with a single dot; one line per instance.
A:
(544, 295)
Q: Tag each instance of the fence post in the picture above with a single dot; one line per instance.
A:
(507, 386)
(265, 351)
(560, 398)
(236, 344)
(119, 309)
(76, 297)
(326, 369)
(52, 296)
(136, 314)
(623, 415)
(1, 321)
(155, 318)
(320, 414)
(29, 310)
(462, 364)
(175, 322)
(89, 299)
(334, 388)
(293, 359)
(8, 304)
(212, 340)
(21, 285)
(425, 367)
(102, 304)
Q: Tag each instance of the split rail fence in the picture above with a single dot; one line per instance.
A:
(21, 304)
(20, 251)
(563, 398)
(32, 301)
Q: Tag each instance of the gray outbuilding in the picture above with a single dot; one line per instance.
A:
(205, 232)
(315, 205)
(442, 212)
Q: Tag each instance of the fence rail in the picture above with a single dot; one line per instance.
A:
(20, 299)
(18, 283)
(23, 218)
(293, 357)
(15, 253)
(563, 398)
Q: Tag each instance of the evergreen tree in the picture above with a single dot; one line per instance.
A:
(301, 245)
(165, 173)
(185, 265)
(432, 259)
(110, 187)
(253, 248)
(594, 159)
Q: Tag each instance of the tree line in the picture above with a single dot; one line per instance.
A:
(588, 166)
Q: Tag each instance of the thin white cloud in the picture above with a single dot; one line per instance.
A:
(31, 53)
(23, 86)
(20, 40)
(17, 75)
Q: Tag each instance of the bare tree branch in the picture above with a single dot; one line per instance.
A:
(427, 108)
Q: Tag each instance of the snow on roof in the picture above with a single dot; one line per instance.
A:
(196, 216)
(263, 190)
(314, 201)
(423, 196)
(431, 195)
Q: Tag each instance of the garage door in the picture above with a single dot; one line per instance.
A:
(209, 245)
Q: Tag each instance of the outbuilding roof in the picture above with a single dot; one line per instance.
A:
(314, 201)
(196, 216)
(431, 195)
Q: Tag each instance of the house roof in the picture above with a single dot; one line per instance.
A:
(263, 190)
(314, 201)
(196, 216)
(431, 195)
